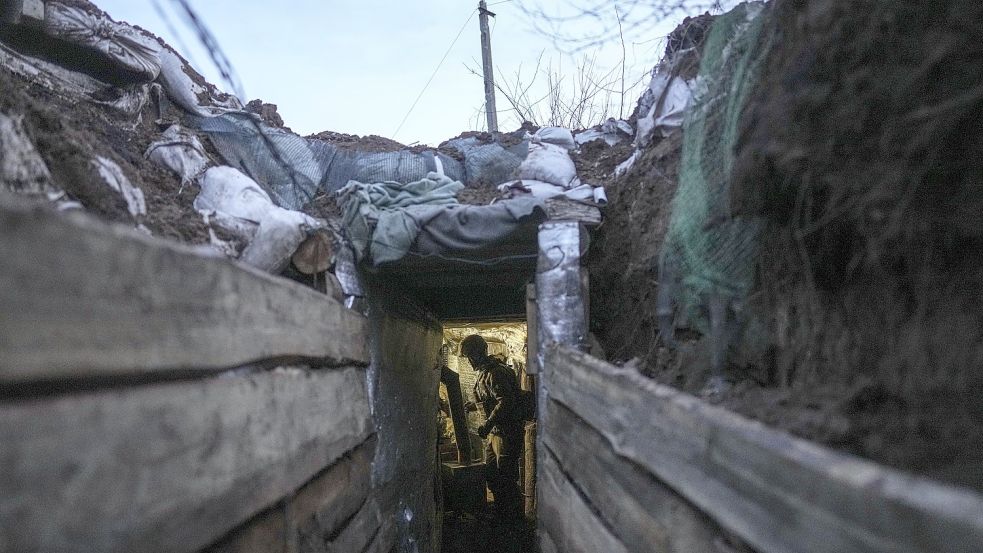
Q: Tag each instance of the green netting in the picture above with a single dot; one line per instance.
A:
(709, 254)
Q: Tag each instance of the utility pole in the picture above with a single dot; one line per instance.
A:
(486, 65)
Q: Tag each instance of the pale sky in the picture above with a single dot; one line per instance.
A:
(355, 66)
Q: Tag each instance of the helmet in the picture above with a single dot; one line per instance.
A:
(474, 346)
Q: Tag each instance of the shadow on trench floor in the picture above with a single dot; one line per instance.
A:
(466, 533)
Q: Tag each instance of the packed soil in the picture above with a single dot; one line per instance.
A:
(70, 133)
(370, 143)
(466, 533)
(861, 151)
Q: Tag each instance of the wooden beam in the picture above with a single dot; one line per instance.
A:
(169, 467)
(324, 504)
(565, 209)
(641, 511)
(80, 298)
(566, 518)
(777, 492)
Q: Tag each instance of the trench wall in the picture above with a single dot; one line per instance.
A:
(626, 465)
(404, 378)
(153, 399)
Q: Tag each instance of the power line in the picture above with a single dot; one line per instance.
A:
(434, 74)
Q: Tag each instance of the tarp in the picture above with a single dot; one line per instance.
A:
(294, 169)
(385, 221)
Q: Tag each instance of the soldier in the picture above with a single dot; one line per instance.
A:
(497, 393)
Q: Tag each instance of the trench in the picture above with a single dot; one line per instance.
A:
(432, 305)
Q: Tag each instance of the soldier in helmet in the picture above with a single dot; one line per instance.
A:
(497, 394)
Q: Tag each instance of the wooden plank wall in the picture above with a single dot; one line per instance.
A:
(633, 466)
(153, 399)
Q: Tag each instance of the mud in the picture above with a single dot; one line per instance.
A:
(862, 151)
(69, 135)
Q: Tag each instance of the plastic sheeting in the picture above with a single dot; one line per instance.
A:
(308, 166)
(386, 221)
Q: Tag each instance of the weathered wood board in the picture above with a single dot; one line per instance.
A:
(305, 521)
(81, 298)
(566, 518)
(565, 209)
(324, 504)
(641, 512)
(777, 492)
(169, 467)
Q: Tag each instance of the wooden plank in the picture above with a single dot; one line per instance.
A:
(169, 467)
(385, 539)
(641, 511)
(319, 509)
(566, 518)
(532, 332)
(266, 532)
(81, 298)
(777, 492)
(565, 209)
(360, 532)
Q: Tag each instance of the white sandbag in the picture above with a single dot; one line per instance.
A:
(232, 201)
(545, 190)
(22, 169)
(555, 135)
(549, 163)
(114, 178)
(613, 131)
(191, 96)
(180, 151)
(626, 165)
(671, 98)
(133, 50)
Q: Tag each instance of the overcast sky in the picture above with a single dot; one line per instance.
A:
(356, 66)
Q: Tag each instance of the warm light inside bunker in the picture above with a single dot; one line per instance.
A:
(462, 457)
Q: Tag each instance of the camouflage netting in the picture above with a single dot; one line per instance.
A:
(707, 263)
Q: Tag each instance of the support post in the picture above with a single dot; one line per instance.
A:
(561, 315)
(487, 68)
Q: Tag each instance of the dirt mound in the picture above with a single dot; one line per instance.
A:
(861, 150)
(624, 258)
(70, 134)
(370, 143)
(266, 112)
(864, 153)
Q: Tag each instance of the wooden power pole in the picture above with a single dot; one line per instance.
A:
(486, 65)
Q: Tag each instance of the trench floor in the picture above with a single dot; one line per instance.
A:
(466, 533)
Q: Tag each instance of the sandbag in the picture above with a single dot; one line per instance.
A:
(555, 135)
(545, 190)
(671, 96)
(613, 131)
(131, 49)
(180, 151)
(549, 163)
(236, 204)
(206, 101)
(22, 169)
(114, 178)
